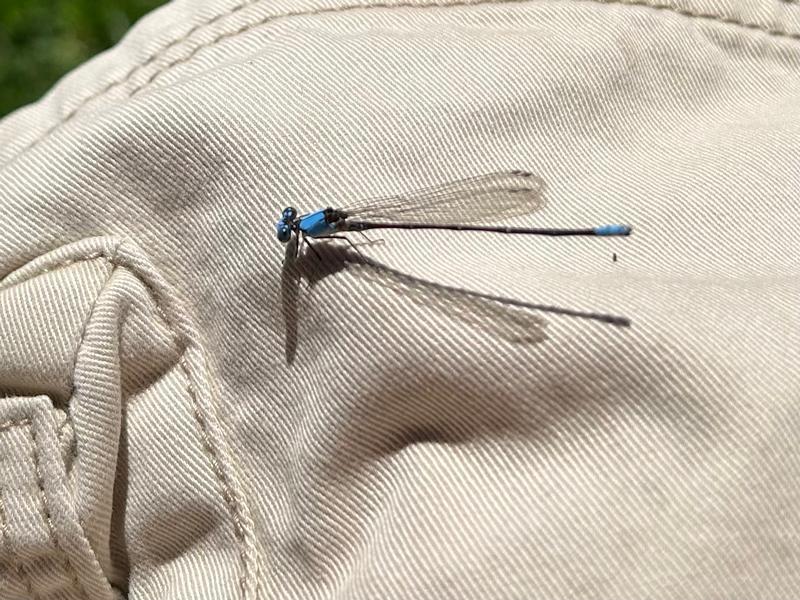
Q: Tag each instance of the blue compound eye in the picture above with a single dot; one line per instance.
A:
(289, 214)
(283, 231)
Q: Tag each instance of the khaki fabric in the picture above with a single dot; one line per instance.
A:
(449, 415)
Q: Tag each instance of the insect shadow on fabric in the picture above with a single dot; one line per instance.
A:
(512, 320)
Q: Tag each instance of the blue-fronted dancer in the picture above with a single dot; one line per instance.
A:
(455, 206)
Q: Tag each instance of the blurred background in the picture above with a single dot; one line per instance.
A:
(41, 40)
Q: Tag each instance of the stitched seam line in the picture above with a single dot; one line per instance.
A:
(18, 423)
(227, 494)
(160, 52)
(135, 69)
(199, 418)
(456, 3)
(231, 500)
(708, 16)
(44, 507)
(310, 13)
(21, 572)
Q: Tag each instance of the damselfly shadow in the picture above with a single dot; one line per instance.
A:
(504, 318)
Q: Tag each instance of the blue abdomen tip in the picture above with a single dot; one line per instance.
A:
(613, 230)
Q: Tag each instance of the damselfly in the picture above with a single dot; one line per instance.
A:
(459, 206)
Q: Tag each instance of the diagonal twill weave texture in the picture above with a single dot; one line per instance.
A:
(445, 415)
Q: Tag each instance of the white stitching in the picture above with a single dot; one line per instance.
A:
(201, 418)
(643, 3)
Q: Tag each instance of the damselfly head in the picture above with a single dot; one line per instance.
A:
(283, 231)
(289, 214)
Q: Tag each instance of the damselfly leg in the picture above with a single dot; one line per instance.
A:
(370, 241)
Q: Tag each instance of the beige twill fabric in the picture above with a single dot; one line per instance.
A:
(450, 415)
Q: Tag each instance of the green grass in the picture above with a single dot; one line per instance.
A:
(41, 40)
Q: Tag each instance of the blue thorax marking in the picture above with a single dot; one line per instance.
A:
(315, 225)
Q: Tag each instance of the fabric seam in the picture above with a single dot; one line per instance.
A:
(44, 506)
(662, 6)
(230, 499)
(85, 327)
(15, 423)
(21, 572)
(44, 510)
(455, 4)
